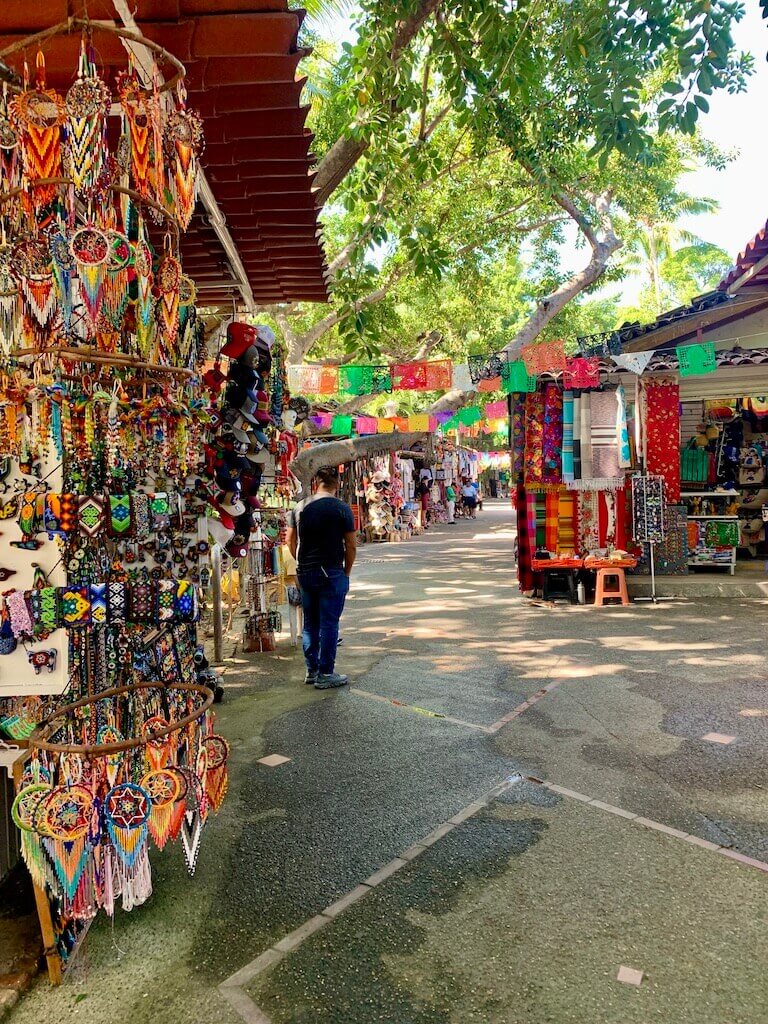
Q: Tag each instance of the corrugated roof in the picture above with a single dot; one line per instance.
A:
(241, 58)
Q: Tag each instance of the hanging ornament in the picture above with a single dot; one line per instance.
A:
(168, 281)
(38, 114)
(10, 157)
(184, 145)
(90, 248)
(216, 781)
(10, 306)
(87, 104)
(116, 281)
(126, 812)
(163, 787)
(106, 736)
(63, 265)
(66, 821)
(31, 265)
(142, 266)
(158, 750)
(136, 108)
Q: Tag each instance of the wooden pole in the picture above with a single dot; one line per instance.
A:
(218, 623)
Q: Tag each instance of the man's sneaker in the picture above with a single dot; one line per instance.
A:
(330, 681)
(310, 678)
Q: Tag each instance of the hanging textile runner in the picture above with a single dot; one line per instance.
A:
(585, 433)
(496, 410)
(567, 452)
(566, 527)
(534, 428)
(622, 432)
(552, 434)
(635, 362)
(518, 436)
(605, 451)
(662, 433)
(577, 436)
(364, 380)
(544, 357)
(487, 367)
(551, 519)
(581, 373)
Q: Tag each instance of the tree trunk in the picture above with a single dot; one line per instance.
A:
(334, 453)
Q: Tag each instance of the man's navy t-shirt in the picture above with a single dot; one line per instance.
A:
(321, 522)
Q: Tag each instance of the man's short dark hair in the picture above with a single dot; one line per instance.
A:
(328, 475)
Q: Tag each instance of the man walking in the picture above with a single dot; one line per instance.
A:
(321, 536)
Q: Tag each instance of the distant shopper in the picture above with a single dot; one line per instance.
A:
(423, 491)
(450, 501)
(469, 497)
(321, 536)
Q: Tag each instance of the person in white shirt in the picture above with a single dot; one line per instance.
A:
(469, 497)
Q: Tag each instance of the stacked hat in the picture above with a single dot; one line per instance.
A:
(236, 456)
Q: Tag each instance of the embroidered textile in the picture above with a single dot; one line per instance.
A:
(662, 430)
(622, 431)
(518, 436)
(534, 436)
(586, 436)
(605, 452)
(588, 521)
(567, 454)
(552, 437)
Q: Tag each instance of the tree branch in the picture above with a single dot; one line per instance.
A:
(333, 453)
(346, 151)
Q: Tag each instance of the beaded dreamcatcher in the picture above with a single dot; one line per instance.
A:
(9, 299)
(38, 115)
(168, 281)
(32, 267)
(184, 144)
(137, 110)
(63, 267)
(116, 285)
(90, 248)
(142, 266)
(87, 104)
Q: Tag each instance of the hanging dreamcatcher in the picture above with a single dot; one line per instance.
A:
(66, 816)
(90, 248)
(38, 114)
(183, 145)
(63, 266)
(168, 281)
(10, 159)
(87, 104)
(32, 267)
(163, 786)
(116, 282)
(9, 299)
(137, 110)
(142, 267)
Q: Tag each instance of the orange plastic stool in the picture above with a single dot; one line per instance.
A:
(602, 594)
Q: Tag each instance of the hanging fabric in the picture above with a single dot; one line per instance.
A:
(622, 432)
(534, 432)
(567, 451)
(662, 433)
(605, 451)
(552, 434)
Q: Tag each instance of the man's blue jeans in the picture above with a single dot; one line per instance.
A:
(322, 597)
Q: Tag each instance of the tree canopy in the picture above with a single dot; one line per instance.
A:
(465, 146)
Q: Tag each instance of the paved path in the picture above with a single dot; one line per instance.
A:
(521, 909)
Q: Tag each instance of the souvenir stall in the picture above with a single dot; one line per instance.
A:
(571, 455)
(103, 714)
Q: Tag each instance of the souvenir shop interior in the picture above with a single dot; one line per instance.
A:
(639, 461)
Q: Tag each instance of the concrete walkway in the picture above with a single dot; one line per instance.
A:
(509, 805)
